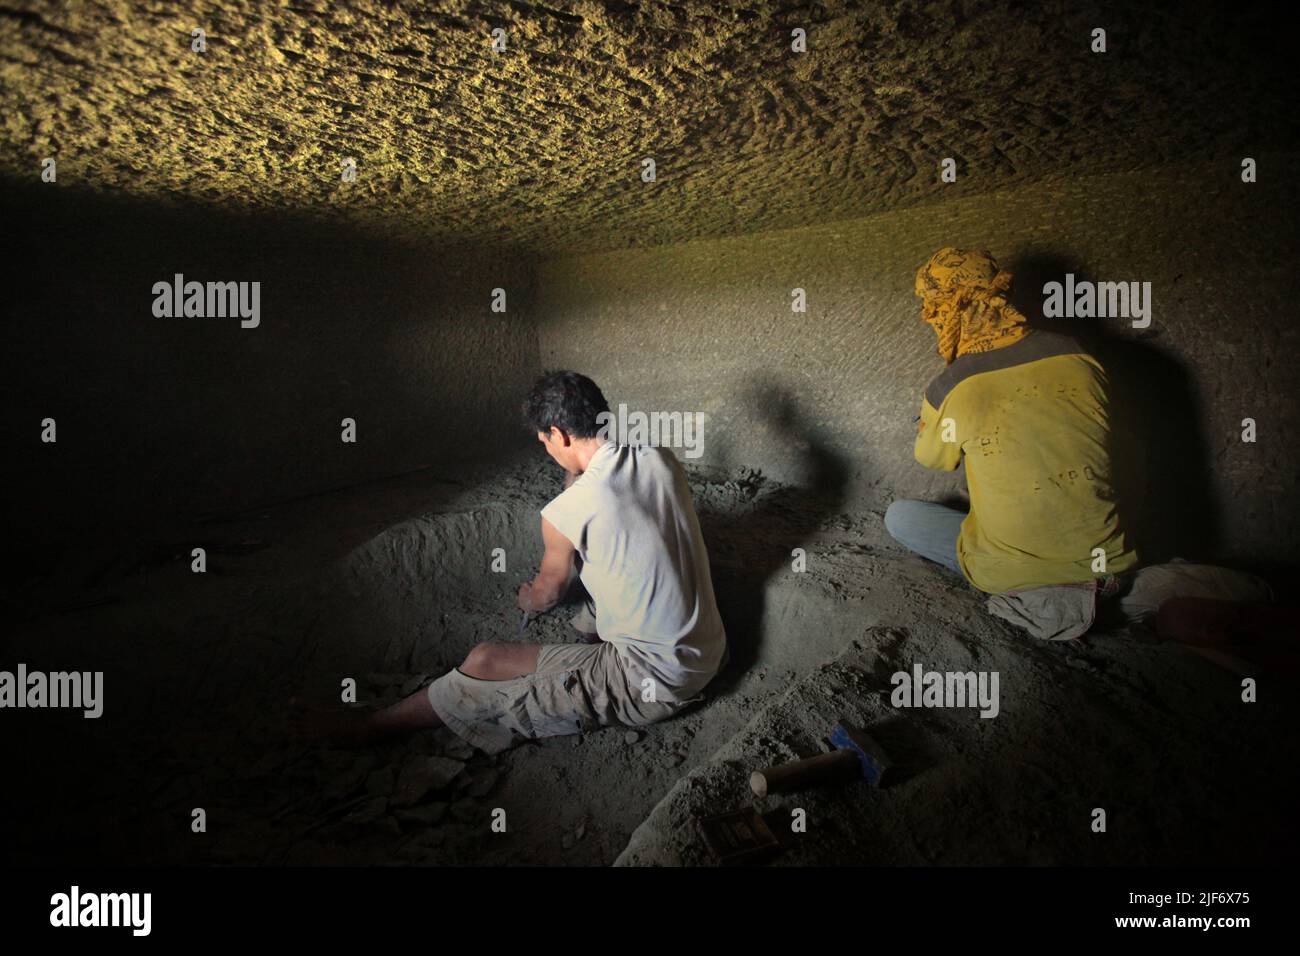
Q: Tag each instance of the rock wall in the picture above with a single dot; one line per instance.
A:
(829, 397)
(160, 418)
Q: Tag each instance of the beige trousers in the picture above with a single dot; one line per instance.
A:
(576, 687)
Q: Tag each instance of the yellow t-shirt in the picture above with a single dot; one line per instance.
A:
(1032, 421)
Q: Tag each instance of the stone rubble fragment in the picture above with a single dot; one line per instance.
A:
(423, 774)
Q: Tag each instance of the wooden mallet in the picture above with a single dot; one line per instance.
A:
(856, 757)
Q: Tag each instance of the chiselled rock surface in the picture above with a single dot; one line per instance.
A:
(542, 144)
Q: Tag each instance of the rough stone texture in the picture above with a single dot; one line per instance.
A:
(541, 145)
(180, 416)
(194, 713)
(1019, 788)
(829, 398)
(221, 653)
(225, 166)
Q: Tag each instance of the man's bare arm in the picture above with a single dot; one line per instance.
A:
(544, 591)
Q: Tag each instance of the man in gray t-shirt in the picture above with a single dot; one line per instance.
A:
(626, 512)
(630, 519)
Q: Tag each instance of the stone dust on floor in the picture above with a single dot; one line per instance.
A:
(1149, 731)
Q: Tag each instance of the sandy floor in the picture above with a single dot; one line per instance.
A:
(301, 596)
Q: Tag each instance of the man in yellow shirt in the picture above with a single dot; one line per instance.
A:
(1028, 412)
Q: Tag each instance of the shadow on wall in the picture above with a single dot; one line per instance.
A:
(756, 546)
(160, 419)
(1160, 456)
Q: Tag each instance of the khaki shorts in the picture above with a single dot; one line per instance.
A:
(576, 687)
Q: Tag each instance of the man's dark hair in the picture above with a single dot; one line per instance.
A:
(566, 400)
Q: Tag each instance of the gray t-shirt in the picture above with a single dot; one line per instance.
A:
(645, 565)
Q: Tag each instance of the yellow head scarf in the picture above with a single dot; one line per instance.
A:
(964, 299)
